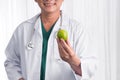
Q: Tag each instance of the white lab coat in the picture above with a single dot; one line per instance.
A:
(25, 63)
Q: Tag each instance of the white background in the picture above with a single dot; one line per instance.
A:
(100, 17)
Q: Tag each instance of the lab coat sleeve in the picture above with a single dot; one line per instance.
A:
(86, 51)
(12, 63)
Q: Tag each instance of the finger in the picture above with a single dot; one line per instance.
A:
(63, 51)
(60, 47)
(58, 41)
(64, 55)
(65, 46)
(68, 43)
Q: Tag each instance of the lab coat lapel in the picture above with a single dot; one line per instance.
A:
(37, 27)
(52, 39)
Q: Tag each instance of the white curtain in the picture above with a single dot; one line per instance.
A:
(118, 39)
(102, 20)
(100, 17)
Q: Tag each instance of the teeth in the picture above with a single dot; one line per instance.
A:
(48, 4)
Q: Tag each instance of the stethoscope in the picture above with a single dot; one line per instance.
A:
(30, 44)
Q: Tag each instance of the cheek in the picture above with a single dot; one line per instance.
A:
(41, 4)
(59, 3)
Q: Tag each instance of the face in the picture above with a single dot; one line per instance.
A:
(49, 6)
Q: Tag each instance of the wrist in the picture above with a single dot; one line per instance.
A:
(75, 61)
(76, 65)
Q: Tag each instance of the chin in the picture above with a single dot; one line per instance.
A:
(50, 11)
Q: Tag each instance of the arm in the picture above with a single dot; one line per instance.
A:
(12, 63)
(81, 57)
(85, 48)
(68, 55)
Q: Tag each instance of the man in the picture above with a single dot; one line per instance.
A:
(49, 58)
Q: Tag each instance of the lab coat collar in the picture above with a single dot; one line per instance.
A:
(33, 19)
(36, 21)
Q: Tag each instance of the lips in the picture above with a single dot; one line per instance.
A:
(49, 4)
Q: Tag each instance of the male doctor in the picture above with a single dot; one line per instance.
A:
(34, 52)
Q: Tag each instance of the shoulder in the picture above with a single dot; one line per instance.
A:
(27, 24)
(69, 19)
(72, 23)
(26, 27)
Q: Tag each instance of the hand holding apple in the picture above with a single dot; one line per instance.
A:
(67, 53)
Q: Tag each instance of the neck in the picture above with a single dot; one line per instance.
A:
(50, 17)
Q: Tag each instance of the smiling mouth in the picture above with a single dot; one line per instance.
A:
(49, 4)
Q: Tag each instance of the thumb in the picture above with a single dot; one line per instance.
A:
(68, 43)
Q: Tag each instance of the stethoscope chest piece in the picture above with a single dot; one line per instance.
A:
(30, 46)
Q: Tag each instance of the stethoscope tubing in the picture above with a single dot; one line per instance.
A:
(30, 45)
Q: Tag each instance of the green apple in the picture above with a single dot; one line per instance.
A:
(62, 34)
